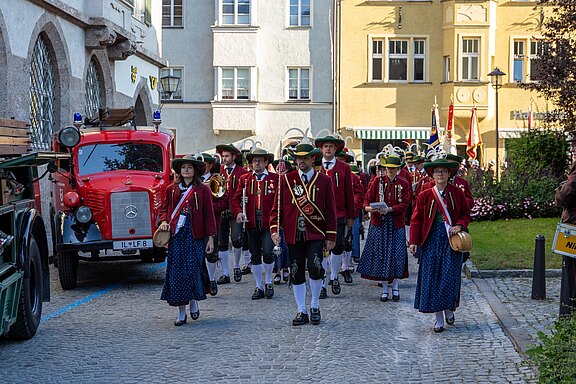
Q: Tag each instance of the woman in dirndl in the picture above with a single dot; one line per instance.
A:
(384, 257)
(439, 212)
(188, 213)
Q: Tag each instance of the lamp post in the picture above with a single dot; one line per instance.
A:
(496, 76)
(169, 84)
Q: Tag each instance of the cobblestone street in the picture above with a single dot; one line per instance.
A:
(114, 328)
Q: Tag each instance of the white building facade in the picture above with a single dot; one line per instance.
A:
(58, 57)
(249, 69)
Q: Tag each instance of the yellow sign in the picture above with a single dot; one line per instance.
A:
(134, 72)
(565, 240)
(153, 82)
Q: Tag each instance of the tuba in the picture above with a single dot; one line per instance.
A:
(217, 185)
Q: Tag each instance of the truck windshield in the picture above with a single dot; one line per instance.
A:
(100, 157)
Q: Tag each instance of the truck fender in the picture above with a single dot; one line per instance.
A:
(69, 235)
(31, 225)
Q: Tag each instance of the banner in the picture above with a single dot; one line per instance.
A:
(448, 144)
(434, 139)
(474, 138)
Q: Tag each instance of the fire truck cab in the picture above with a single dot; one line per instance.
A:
(107, 197)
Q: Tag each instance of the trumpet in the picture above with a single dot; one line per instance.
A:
(217, 185)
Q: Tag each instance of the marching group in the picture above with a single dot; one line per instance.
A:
(305, 211)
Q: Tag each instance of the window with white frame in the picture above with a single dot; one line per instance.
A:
(299, 83)
(404, 59)
(537, 48)
(176, 72)
(519, 69)
(172, 13)
(524, 52)
(419, 60)
(470, 59)
(139, 10)
(398, 60)
(300, 11)
(235, 84)
(377, 60)
(446, 68)
(235, 12)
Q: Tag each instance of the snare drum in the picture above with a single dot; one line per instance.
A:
(565, 240)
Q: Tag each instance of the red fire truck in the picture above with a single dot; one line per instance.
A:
(106, 199)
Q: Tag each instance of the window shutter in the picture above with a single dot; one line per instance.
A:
(148, 12)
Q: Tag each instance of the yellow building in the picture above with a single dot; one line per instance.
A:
(395, 57)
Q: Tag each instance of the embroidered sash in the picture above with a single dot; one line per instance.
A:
(307, 208)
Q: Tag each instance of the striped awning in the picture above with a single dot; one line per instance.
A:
(392, 133)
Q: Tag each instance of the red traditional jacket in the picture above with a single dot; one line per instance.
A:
(405, 173)
(397, 194)
(220, 204)
(460, 183)
(341, 176)
(314, 201)
(232, 180)
(359, 192)
(260, 194)
(423, 179)
(425, 211)
(198, 203)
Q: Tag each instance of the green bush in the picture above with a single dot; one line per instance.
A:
(535, 165)
(555, 356)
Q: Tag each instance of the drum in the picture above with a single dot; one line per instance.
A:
(461, 242)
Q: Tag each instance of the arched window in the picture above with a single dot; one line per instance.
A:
(93, 91)
(42, 95)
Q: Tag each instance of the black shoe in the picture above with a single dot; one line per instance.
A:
(336, 287)
(384, 297)
(180, 322)
(258, 294)
(450, 320)
(300, 319)
(277, 279)
(438, 329)
(213, 288)
(315, 316)
(224, 279)
(195, 315)
(347, 276)
(269, 291)
(237, 275)
(323, 293)
(329, 282)
(246, 269)
(380, 284)
(395, 296)
(285, 275)
(356, 260)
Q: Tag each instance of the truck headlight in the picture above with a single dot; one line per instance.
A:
(83, 214)
(69, 137)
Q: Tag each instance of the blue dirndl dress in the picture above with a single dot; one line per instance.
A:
(385, 256)
(356, 237)
(439, 273)
(183, 281)
(282, 261)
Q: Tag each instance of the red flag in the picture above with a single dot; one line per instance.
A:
(448, 143)
(474, 138)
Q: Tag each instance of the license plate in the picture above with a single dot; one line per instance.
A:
(132, 244)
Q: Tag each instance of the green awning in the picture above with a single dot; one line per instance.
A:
(392, 133)
(37, 158)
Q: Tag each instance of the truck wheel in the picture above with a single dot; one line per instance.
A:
(30, 303)
(159, 254)
(68, 269)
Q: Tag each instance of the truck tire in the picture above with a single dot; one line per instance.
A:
(68, 269)
(30, 303)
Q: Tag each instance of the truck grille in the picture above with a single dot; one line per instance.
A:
(130, 210)
(95, 200)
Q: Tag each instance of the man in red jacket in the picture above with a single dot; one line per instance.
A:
(308, 216)
(341, 177)
(228, 225)
(259, 190)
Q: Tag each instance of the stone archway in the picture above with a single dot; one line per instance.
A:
(140, 112)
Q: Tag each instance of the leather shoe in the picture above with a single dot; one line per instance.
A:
(336, 287)
(356, 260)
(450, 320)
(269, 291)
(438, 329)
(246, 269)
(237, 275)
(323, 293)
(384, 297)
(347, 276)
(258, 294)
(195, 315)
(277, 279)
(224, 279)
(300, 319)
(315, 316)
(285, 275)
(395, 295)
(180, 322)
(213, 288)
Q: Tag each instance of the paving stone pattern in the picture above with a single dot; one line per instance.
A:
(126, 334)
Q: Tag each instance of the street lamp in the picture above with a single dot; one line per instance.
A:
(169, 84)
(495, 75)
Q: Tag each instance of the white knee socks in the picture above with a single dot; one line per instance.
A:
(395, 284)
(439, 319)
(300, 296)
(257, 272)
(346, 260)
(247, 255)
(237, 253)
(193, 306)
(268, 272)
(335, 263)
(315, 287)
(325, 267)
(181, 312)
(224, 262)
(211, 270)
